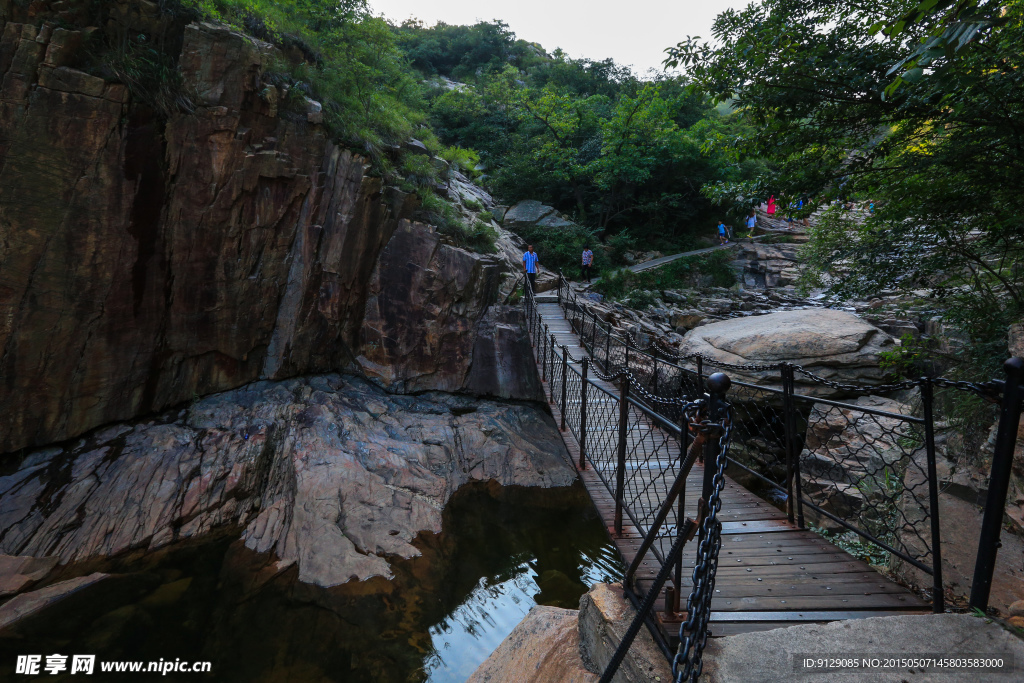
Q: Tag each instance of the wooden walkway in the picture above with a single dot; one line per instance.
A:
(770, 573)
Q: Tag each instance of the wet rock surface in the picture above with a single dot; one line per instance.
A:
(328, 473)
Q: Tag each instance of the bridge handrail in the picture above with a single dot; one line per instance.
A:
(655, 392)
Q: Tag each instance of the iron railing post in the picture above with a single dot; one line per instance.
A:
(789, 428)
(565, 380)
(536, 332)
(654, 381)
(684, 448)
(718, 384)
(999, 480)
(700, 375)
(607, 349)
(927, 399)
(620, 468)
(543, 353)
(645, 609)
(551, 384)
(583, 414)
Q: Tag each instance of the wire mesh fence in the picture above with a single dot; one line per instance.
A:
(850, 461)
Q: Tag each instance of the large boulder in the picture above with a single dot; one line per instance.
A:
(526, 213)
(543, 647)
(553, 644)
(326, 472)
(763, 266)
(426, 302)
(835, 345)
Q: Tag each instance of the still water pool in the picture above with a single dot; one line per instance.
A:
(501, 551)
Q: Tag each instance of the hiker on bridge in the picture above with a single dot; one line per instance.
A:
(530, 266)
(588, 262)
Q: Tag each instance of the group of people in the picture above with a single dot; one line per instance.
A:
(531, 263)
(725, 234)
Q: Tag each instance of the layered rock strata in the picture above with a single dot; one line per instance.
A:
(146, 259)
(326, 472)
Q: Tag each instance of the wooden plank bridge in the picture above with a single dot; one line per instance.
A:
(770, 572)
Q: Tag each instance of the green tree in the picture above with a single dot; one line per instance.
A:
(834, 108)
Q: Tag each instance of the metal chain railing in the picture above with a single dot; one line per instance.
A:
(693, 632)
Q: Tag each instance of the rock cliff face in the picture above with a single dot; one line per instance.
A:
(328, 473)
(147, 260)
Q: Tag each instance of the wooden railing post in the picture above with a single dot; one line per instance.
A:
(620, 468)
(583, 414)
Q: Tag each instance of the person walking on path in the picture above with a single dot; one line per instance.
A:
(751, 222)
(530, 266)
(588, 261)
(771, 207)
(723, 233)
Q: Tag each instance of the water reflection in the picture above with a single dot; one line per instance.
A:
(502, 551)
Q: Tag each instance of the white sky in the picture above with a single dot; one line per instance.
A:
(634, 32)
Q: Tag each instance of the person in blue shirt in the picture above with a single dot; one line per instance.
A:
(723, 233)
(751, 222)
(530, 266)
(588, 262)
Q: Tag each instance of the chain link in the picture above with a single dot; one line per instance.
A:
(693, 633)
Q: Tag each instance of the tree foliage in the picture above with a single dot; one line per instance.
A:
(924, 119)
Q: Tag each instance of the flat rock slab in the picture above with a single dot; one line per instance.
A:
(777, 655)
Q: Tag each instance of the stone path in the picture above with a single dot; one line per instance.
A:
(771, 573)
